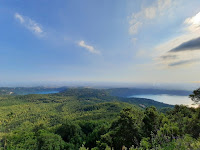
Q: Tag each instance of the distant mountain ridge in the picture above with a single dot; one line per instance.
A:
(106, 95)
(27, 90)
(122, 92)
(125, 92)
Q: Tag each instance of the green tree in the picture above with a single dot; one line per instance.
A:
(151, 121)
(165, 134)
(49, 141)
(124, 131)
(195, 97)
(193, 125)
(22, 138)
(71, 133)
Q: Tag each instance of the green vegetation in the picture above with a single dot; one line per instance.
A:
(92, 119)
(27, 90)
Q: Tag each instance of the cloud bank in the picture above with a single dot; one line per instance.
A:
(183, 62)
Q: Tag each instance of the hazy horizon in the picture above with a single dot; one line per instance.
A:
(55, 84)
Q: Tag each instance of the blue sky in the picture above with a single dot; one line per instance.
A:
(106, 40)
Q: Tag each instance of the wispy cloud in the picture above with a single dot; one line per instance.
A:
(37, 29)
(179, 59)
(136, 20)
(19, 17)
(135, 27)
(89, 48)
(29, 24)
(166, 57)
(184, 62)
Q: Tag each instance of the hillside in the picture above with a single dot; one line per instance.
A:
(76, 116)
(105, 94)
(52, 110)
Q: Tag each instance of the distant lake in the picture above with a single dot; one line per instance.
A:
(168, 99)
(46, 92)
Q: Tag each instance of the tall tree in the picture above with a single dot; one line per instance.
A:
(151, 121)
(195, 97)
(125, 130)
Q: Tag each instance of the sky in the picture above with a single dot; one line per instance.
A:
(132, 41)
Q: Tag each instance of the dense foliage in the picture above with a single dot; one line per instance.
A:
(92, 119)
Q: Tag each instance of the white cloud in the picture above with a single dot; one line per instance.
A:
(19, 17)
(150, 12)
(135, 27)
(89, 48)
(34, 27)
(193, 23)
(163, 4)
(29, 24)
(136, 20)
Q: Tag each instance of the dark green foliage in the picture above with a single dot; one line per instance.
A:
(91, 118)
(93, 131)
(47, 141)
(71, 133)
(85, 92)
(193, 125)
(151, 121)
(125, 130)
(28, 136)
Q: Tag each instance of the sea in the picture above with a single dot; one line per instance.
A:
(168, 99)
(46, 92)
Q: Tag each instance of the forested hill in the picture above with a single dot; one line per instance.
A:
(124, 92)
(81, 118)
(105, 95)
(83, 93)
